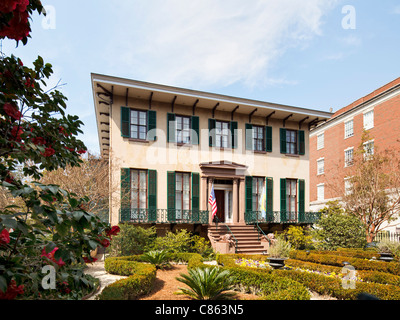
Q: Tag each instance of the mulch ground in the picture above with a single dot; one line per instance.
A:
(166, 286)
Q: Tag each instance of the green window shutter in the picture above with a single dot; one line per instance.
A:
(268, 139)
(283, 200)
(171, 196)
(195, 132)
(270, 195)
(211, 132)
(171, 127)
(125, 121)
(282, 132)
(195, 196)
(302, 148)
(152, 195)
(125, 194)
(233, 127)
(249, 136)
(249, 193)
(301, 196)
(151, 124)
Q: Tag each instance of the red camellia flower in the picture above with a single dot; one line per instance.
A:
(29, 83)
(4, 237)
(16, 132)
(81, 151)
(7, 6)
(105, 243)
(113, 231)
(39, 140)
(89, 260)
(50, 256)
(12, 291)
(12, 111)
(48, 152)
(18, 27)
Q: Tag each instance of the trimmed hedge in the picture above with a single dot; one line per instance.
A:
(333, 287)
(364, 275)
(139, 282)
(264, 282)
(336, 260)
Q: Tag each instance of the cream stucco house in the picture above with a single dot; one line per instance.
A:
(168, 147)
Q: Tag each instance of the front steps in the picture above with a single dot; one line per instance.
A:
(247, 237)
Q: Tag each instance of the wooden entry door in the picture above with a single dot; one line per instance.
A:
(220, 199)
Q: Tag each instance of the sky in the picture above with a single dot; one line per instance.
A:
(316, 54)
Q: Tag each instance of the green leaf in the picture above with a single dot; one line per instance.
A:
(50, 247)
(93, 244)
(73, 202)
(77, 215)
(3, 284)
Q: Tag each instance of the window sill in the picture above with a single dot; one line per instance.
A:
(137, 140)
(260, 152)
(292, 155)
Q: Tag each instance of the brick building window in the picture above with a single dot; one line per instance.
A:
(348, 157)
(320, 192)
(320, 141)
(320, 166)
(368, 150)
(348, 129)
(369, 120)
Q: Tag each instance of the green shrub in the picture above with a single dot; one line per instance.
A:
(207, 284)
(298, 237)
(336, 260)
(132, 240)
(139, 282)
(160, 259)
(337, 229)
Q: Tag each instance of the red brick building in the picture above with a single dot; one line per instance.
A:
(333, 143)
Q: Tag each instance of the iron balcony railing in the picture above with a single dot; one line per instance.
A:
(283, 217)
(163, 216)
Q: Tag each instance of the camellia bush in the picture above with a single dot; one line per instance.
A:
(47, 237)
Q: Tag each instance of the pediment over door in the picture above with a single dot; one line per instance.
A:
(223, 169)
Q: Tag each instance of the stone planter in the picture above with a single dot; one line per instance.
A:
(277, 263)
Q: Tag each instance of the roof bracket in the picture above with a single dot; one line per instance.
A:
(194, 106)
(233, 111)
(150, 99)
(301, 122)
(284, 120)
(251, 114)
(269, 116)
(215, 108)
(126, 97)
(107, 94)
(173, 104)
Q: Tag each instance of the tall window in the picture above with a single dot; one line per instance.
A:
(348, 157)
(320, 192)
(182, 129)
(369, 120)
(138, 189)
(320, 141)
(258, 191)
(258, 138)
(321, 166)
(182, 193)
(222, 133)
(291, 195)
(368, 150)
(291, 142)
(138, 124)
(348, 129)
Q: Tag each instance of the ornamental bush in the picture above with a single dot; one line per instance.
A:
(46, 225)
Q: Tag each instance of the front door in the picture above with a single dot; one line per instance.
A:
(220, 199)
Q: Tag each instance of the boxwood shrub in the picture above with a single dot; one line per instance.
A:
(140, 279)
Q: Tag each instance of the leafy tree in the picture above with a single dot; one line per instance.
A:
(298, 237)
(373, 190)
(337, 229)
(48, 225)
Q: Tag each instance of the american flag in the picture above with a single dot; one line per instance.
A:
(212, 201)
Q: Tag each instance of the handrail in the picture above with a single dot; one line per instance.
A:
(259, 228)
(137, 215)
(229, 229)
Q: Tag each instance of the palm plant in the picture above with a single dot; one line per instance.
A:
(207, 284)
(159, 258)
